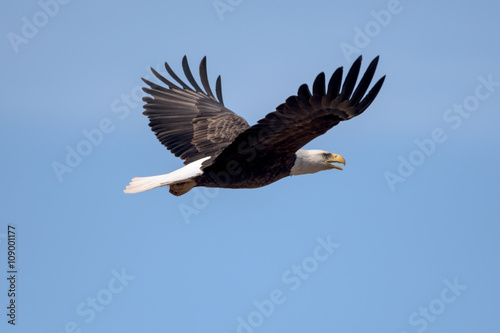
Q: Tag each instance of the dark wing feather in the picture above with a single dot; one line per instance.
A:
(304, 117)
(192, 124)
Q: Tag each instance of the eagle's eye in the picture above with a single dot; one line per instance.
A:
(326, 156)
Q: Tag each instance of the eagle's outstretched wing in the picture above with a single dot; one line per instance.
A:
(303, 117)
(191, 123)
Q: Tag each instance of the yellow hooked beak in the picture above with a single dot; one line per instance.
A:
(336, 159)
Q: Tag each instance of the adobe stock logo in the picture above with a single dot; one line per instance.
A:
(96, 303)
(425, 315)
(31, 26)
(454, 118)
(381, 19)
(200, 200)
(292, 278)
(93, 138)
(223, 6)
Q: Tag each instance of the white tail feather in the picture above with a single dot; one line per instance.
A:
(141, 184)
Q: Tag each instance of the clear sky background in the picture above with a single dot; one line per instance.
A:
(405, 239)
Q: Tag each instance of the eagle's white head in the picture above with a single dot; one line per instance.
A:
(312, 161)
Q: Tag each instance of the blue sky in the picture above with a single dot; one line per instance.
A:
(405, 239)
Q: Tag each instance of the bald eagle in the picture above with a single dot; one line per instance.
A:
(220, 149)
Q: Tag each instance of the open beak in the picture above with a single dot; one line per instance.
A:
(336, 159)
